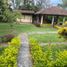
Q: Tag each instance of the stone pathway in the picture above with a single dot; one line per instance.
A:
(41, 32)
(24, 59)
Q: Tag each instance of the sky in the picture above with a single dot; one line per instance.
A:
(55, 2)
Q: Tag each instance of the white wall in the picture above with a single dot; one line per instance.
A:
(25, 19)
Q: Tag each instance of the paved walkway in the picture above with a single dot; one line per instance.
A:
(24, 59)
(41, 32)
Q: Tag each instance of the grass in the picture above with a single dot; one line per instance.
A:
(45, 38)
(49, 55)
(18, 28)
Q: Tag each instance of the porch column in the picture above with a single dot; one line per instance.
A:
(42, 19)
(37, 19)
(53, 21)
(63, 19)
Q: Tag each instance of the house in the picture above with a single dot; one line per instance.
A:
(40, 16)
(54, 12)
(27, 16)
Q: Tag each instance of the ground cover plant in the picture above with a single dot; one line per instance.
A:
(8, 56)
(49, 55)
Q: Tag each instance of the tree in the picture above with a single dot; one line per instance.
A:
(27, 4)
(3, 7)
(6, 15)
(64, 4)
(42, 3)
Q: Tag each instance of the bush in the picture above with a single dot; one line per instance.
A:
(15, 41)
(61, 60)
(65, 24)
(9, 56)
(7, 38)
(51, 57)
(10, 16)
(63, 32)
(37, 54)
(6, 13)
(57, 27)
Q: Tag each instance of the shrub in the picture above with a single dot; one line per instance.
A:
(15, 41)
(57, 27)
(7, 14)
(7, 38)
(61, 60)
(63, 32)
(9, 56)
(40, 58)
(65, 24)
(11, 16)
(51, 57)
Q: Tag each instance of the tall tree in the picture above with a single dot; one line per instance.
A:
(42, 3)
(3, 7)
(63, 4)
(27, 4)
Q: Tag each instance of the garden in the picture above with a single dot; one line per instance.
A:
(50, 54)
(44, 46)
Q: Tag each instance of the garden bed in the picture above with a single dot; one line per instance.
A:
(9, 54)
(49, 55)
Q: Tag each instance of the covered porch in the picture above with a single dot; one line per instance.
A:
(54, 13)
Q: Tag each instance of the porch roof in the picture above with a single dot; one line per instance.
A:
(27, 11)
(53, 11)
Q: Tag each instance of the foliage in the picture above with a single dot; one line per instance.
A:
(7, 38)
(63, 4)
(63, 32)
(57, 27)
(10, 16)
(48, 56)
(37, 54)
(42, 4)
(9, 56)
(65, 24)
(15, 41)
(6, 14)
(61, 60)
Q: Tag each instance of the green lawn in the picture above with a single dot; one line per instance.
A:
(49, 55)
(45, 38)
(18, 28)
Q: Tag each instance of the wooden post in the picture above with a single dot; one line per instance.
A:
(42, 20)
(63, 19)
(37, 19)
(53, 21)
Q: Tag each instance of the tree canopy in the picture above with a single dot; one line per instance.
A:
(63, 4)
